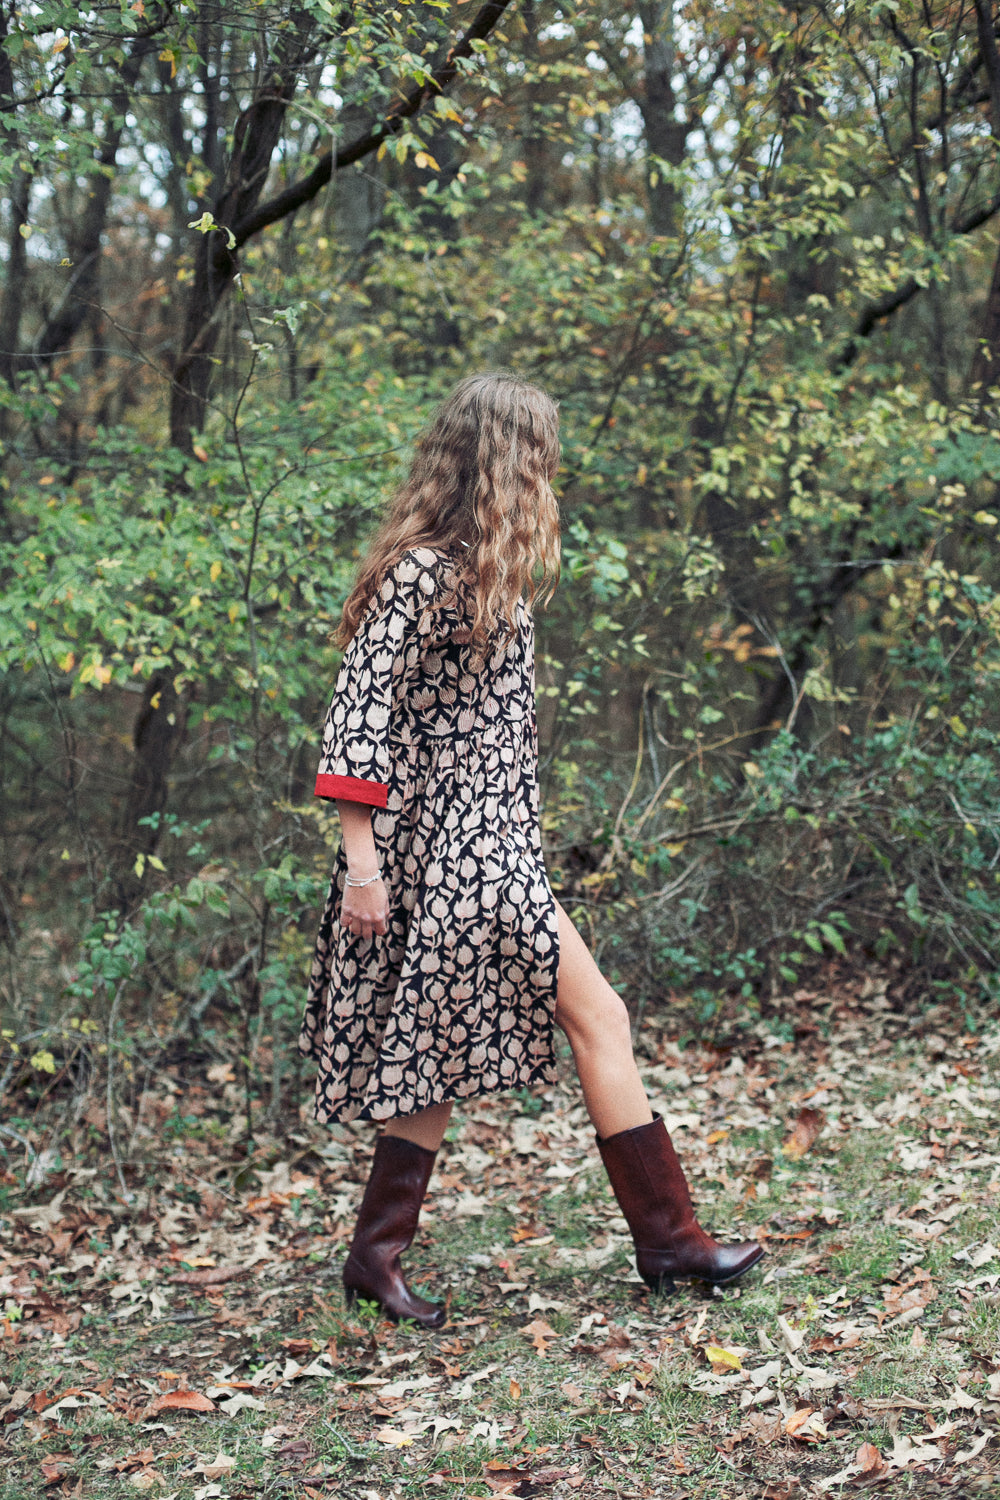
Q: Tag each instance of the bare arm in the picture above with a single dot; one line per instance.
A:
(364, 909)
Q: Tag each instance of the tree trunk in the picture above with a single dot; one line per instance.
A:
(255, 139)
(63, 326)
(666, 136)
(156, 733)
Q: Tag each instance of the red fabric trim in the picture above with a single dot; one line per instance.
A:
(351, 789)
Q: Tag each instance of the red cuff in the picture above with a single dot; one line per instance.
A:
(351, 789)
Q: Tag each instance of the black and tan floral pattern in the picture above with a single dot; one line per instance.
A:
(457, 998)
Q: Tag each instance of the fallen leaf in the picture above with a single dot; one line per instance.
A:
(216, 1467)
(214, 1276)
(393, 1438)
(790, 1337)
(56, 1467)
(181, 1401)
(515, 1391)
(722, 1359)
(975, 1450)
(298, 1451)
(538, 1331)
(804, 1133)
(905, 1452)
(910, 1295)
(240, 1401)
(798, 1419)
(868, 1459)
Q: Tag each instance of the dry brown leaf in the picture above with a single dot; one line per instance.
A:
(804, 1133)
(515, 1391)
(140, 1460)
(503, 1479)
(212, 1276)
(917, 1292)
(798, 1419)
(393, 1438)
(572, 1392)
(298, 1451)
(762, 1428)
(216, 1467)
(56, 1467)
(181, 1401)
(868, 1459)
(540, 1334)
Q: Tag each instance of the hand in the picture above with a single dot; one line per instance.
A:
(365, 909)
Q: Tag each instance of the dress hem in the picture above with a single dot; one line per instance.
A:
(545, 1077)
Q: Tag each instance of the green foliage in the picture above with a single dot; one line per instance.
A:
(767, 684)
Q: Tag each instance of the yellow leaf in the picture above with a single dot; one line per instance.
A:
(61, 44)
(139, 866)
(424, 159)
(214, 571)
(724, 1358)
(156, 862)
(44, 1062)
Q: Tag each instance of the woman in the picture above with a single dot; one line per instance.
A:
(443, 958)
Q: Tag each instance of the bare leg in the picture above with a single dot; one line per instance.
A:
(426, 1128)
(597, 1026)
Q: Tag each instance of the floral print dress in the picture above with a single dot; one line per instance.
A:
(457, 998)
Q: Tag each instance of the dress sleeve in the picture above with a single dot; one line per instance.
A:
(383, 655)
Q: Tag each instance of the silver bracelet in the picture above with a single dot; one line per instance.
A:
(359, 884)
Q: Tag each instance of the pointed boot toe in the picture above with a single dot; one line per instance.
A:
(652, 1192)
(390, 1292)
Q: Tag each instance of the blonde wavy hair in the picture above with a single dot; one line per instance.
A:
(482, 475)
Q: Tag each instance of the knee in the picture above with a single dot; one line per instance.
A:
(602, 1021)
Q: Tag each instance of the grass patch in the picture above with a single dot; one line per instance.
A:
(875, 1319)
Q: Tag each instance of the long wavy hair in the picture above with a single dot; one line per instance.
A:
(482, 475)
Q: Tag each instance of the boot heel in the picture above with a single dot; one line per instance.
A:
(661, 1286)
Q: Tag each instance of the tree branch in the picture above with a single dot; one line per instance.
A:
(307, 187)
(877, 312)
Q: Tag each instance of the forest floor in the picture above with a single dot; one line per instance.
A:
(189, 1340)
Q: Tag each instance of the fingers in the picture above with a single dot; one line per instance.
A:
(364, 918)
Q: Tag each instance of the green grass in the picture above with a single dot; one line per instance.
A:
(622, 1400)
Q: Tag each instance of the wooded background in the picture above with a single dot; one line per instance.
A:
(752, 250)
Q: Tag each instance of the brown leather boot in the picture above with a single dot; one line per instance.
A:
(386, 1225)
(652, 1192)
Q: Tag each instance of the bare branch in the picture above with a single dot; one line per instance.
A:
(390, 125)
